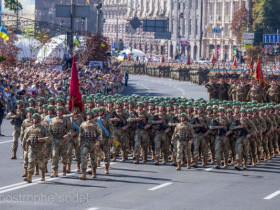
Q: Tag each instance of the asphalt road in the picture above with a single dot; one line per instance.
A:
(143, 186)
(153, 86)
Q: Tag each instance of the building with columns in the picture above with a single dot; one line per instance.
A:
(117, 14)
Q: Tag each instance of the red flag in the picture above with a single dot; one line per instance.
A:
(213, 60)
(251, 69)
(75, 95)
(259, 73)
(189, 60)
(235, 63)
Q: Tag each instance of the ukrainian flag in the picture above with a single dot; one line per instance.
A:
(4, 34)
(77, 41)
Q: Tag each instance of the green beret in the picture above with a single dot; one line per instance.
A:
(242, 110)
(161, 104)
(31, 100)
(249, 110)
(59, 108)
(94, 111)
(221, 109)
(59, 100)
(215, 107)
(89, 101)
(45, 106)
(99, 101)
(20, 102)
(41, 99)
(139, 104)
(51, 100)
(30, 109)
(50, 108)
(229, 110)
(36, 115)
(209, 108)
(89, 112)
(101, 109)
(183, 115)
(189, 107)
(118, 102)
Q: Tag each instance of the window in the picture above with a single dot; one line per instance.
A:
(190, 27)
(196, 27)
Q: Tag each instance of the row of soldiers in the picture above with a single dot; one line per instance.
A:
(241, 90)
(168, 127)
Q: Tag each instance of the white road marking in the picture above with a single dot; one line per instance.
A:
(92, 208)
(161, 186)
(25, 184)
(4, 142)
(208, 169)
(272, 195)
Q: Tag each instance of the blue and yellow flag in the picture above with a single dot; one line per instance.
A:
(4, 34)
(88, 2)
(77, 41)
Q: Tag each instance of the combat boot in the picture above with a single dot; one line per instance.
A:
(264, 157)
(78, 168)
(68, 168)
(29, 177)
(64, 170)
(195, 162)
(14, 155)
(145, 159)
(123, 156)
(136, 160)
(237, 166)
(153, 155)
(114, 158)
(212, 158)
(42, 175)
(93, 173)
(188, 164)
(178, 166)
(106, 169)
(83, 175)
(253, 161)
(98, 163)
(204, 161)
(225, 164)
(245, 164)
(218, 166)
(164, 160)
(36, 170)
(157, 161)
(25, 172)
(54, 173)
(232, 161)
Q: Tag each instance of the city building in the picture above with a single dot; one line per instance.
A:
(44, 10)
(117, 14)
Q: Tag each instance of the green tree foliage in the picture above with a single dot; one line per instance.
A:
(266, 17)
(239, 22)
(13, 5)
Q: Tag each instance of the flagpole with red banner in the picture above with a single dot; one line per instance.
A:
(74, 91)
(259, 73)
(213, 60)
(251, 69)
(189, 60)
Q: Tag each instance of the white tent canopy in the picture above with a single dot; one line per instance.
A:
(135, 52)
(28, 47)
(56, 47)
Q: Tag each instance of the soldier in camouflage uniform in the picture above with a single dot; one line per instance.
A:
(159, 122)
(141, 138)
(221, 140)
(200, 127)
(76, 118)
(61, 129)
(104, 137)
(26, 123)
(210, 135)
(231, 137)
(35, 138)
(40, 103)
(183, 133)
(88, 141)
(118, 127)
(17, 116)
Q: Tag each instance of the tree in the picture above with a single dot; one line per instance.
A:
(253, 52)
(13, 5)
(97, 47)
(239, 22)
(9, 50)
(266, 17)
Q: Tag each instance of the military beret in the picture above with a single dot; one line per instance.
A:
(139, 103)
(229, 110)
(221, 109)
(30, 109)
(209, 108)
(89, 112)
(59, 108)
(41, 99)
(20, 102)
(101, 109)
(50, 108)
(59, 100)
(36, 115)
(31, 100)
(45, 105)
(51, 100)
(183, 115)
(242, 110)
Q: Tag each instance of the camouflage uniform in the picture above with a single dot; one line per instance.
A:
(59, 128)
(183, 133)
